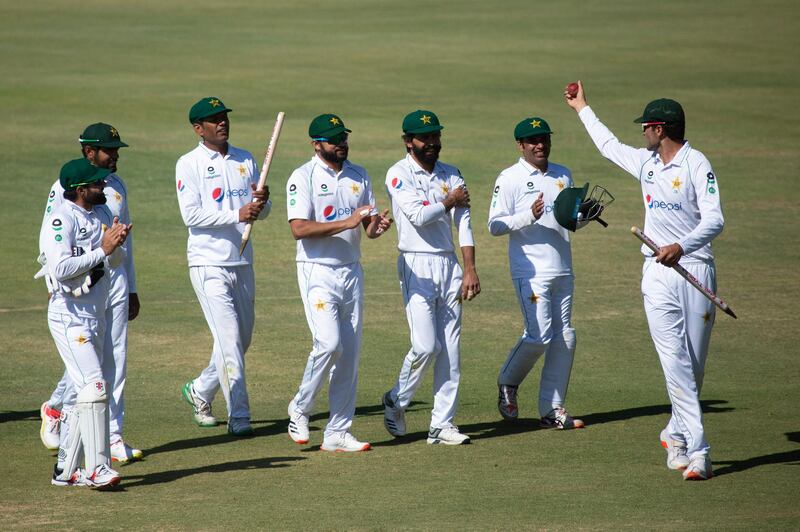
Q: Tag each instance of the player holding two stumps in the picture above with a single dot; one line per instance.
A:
(682, 215)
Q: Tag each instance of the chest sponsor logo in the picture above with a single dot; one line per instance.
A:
(82, 233)
(396, 183)
(530, 185)
(330, 212)
(653, 203)
(648, 178)
(218, 194)
(212, 172)
(181, 185)
(324, 191)
(292, 189)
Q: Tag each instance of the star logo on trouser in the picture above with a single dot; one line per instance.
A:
(319, 305)
(534, 298)
(81, 339)
(707, 317)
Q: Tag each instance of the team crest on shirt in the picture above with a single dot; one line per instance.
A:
(676, 184)
(445, 189)
(118, 197)
(355, 188)
(560, 185)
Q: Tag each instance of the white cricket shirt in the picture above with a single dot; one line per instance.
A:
(211, 190)
(316, 192)
(681, 198)
(535, 247)
(423, 224)
(71, 241)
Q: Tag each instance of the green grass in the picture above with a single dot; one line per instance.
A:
(481, 66)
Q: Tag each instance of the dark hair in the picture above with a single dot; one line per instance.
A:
(71, 195)
(675, 131)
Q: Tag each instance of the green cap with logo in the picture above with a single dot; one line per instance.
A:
(326, 126)
(662, 110)
(531, 127)
(101, 135)
(80, 172)
(421, 122)
(206, 107)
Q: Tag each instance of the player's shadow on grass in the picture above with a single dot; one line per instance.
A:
(785, 457)
(709, 407)
(162, 477)
(25, 415)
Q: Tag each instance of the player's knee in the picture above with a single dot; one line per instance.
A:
(535, 342)
(427, 348)
(94, 392)
(330, 346)
(568, 335)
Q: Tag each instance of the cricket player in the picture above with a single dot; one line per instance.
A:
(217, 196)
(100, 144)
(427, 196)
(540, 258)
(682, 215)
(328, 200)
(79, 250)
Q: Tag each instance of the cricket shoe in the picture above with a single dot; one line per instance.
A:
(123, 453)
(558, 418)
(77, 478)
(394, 418)
(103, 477)
(298, 425)
(239, 427)
(202, 410)
(676, 451)
(344, 442)
(448, 435)
(507, 402)
(51, 426)
(698, 469)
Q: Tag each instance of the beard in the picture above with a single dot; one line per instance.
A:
(333, 156)
(97, 198)
(428, 154)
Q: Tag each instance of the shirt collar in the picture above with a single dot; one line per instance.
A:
(211, 153)
(679, 158)
(317, 159)
(532, 170)
(417, 168)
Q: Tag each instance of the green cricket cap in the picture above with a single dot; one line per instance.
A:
(568, 204)
(206, 107)
(531, 127)
(101, 135)
(421, 122)
(662, 110)
(326, 126)
(80, 172)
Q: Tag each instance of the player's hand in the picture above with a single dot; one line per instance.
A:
(577, 102)
(379, 224)
(250, 212)
(669, 255)
(260, 195)
(538, 206)
(458, 197)
(133, 306)
(355, 219)
(471, 285)
(114, 236)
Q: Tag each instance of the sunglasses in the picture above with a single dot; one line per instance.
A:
(645, 125)
(341, 138)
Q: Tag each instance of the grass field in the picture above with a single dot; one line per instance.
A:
(481, 66)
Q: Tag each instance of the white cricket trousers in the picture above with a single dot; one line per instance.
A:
(546, 304)
(431, 287)
(333, 302)
(680, 320)
(114, 367)
(79, 341)
(227, 297)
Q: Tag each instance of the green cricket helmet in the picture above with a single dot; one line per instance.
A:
(573, 210)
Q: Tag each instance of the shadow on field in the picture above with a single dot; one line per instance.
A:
(785, 457)
(25, 415)
(709, 407)
(134, 481)
(275, 427)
